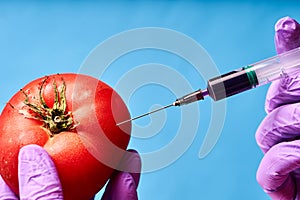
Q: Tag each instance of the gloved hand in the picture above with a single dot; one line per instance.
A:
(38, 178)
(279, 133)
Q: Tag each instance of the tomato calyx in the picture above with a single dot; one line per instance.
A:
(56, 119)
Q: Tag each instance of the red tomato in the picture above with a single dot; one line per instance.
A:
(73, 117)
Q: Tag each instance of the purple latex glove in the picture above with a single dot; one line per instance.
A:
(278, 134)
(38, 178)
(123, 185)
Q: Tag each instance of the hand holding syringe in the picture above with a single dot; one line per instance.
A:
(278, 134)
(243, 79)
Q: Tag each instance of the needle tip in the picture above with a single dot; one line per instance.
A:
(123, 122)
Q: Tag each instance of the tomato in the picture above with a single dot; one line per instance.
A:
(73, 117)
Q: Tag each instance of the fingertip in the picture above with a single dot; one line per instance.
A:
(121, 187)
(286, 23)
(37, 172)
(287, 34)
(131, 163)
(31, 149)
(135, 164)
(124, 182)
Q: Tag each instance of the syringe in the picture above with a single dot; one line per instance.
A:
(240, 80)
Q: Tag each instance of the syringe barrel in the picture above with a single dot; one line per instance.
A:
(280, 66)
(257, 74)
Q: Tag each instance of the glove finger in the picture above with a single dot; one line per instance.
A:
(275, 171)
(131, 162)
(38, 178)
(296, 177)
(284, 91)
(282, 124)
(5, 192)
(287, 34)
(123, 185)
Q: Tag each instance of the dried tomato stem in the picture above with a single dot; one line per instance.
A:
(56, 119)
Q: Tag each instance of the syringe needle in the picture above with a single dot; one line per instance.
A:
(143, 115)
(189, 98)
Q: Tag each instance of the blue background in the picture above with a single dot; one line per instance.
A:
(40, 38)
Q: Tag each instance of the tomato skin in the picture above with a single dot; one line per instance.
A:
(85, 155)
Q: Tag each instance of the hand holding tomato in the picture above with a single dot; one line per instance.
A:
(73, 118)
(38, 178)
